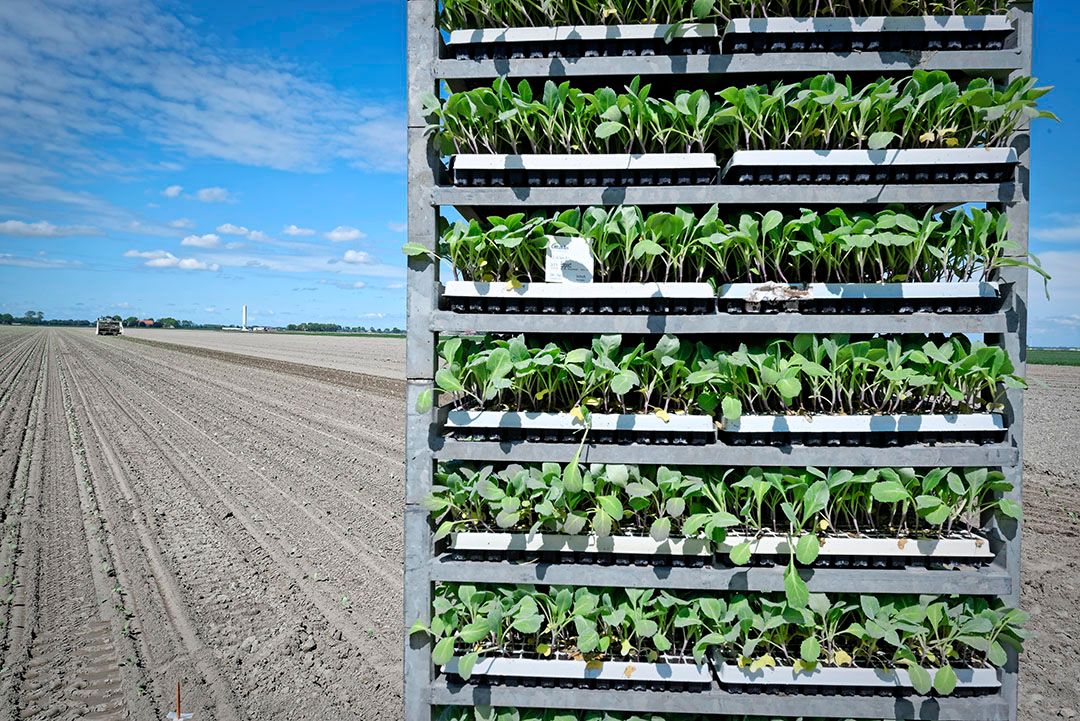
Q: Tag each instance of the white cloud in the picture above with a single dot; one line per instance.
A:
(165, 259)
(73, 72)
(44, 229)
(344, 284)
(255, 235)
(182, 223)
(147, 254)
(397, 227)
(192, 264)
(358, 256)
(311, 261)
(38, 262)
(1051, 322)
(344, 233)
(173, 191)
(294, 230)
(214, 195)
(209, 240)
(395, 286)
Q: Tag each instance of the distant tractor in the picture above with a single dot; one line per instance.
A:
(109, 326)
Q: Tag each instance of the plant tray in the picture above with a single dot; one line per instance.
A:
(867, 34)
(729, 674)
(606, 671)
(871, 430)
(583, 41)
(565, 428)
(954, 547)
(571, 298)
(544, 543)
(860, 297)
(584, 170)
(871, 167)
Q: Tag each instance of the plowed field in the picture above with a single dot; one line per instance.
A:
(230, 517)
(177, 517)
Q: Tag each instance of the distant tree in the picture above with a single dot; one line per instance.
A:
(131, 321)
(291, 326)
(186, 324)
(6, 318)
(168, 322)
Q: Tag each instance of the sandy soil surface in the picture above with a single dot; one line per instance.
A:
(376, 356)
(233, 522)
(171, 517)
(1050, 565)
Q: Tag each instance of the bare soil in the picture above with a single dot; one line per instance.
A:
(172, 517)
(372, 355)
(230, 518)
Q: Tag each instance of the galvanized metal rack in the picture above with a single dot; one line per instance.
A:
(429, 65)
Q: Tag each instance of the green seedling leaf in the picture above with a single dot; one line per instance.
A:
(997, 655)
(810, 650)
(882, 140)
(920, 679)
(608, 128)
(798, 595)
(807, 548)
(466, 664)
(424, 401)
(732, 408)
(572, 478)
(443, 651)
(740, 554)
(945, 680)
(447, 381)
(414, 249)
(660, 529)
(611, 506)
(1010, 508)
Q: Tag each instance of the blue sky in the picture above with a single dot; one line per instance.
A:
(184, 158)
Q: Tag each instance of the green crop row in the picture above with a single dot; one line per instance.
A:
(509, 713)
(804, 505)
(916, 633)
(807, 374)
(468, 14)
(631, 245)
(668, 502)
(925, 109)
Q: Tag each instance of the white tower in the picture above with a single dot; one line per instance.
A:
(243, 321)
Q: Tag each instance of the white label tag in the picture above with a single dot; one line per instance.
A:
(569, 260)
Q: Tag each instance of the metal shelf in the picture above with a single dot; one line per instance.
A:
(772, 323)
(993, 455)
(983, 62)
(742, 195)
(716, 700)
(988, 581)
(428, 70)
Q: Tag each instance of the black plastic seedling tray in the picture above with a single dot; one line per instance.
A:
(584, 178)
(580, 306)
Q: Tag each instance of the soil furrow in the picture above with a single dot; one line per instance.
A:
(135, 413)
(281, 507)
(211, 688)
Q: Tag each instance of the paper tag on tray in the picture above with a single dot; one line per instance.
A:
(569, 260)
